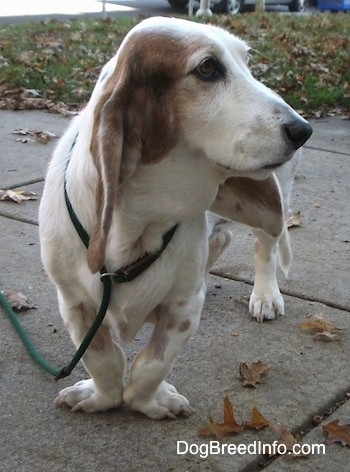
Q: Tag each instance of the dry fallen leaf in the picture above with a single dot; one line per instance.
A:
(219, 430)
(258, 421)
(337, 432)
(294, 220)
(286, 438)
(17, 196)
(230, 425)
(320, 327)
(42, 137)
(251, 375)
(18, 300)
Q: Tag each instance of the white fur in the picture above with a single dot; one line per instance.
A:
(227, 127)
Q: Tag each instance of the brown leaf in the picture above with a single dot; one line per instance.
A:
(251, 375)
(219, 430)
(284, 436)
(320, 327)
(325, 336)
(294, 220)
(42, 137)
(337, 432)
(17, 196)
(18, 300)
(258, 421)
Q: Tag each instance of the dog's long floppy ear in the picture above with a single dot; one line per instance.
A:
(257, 203)
(135, 120)
(106, 148)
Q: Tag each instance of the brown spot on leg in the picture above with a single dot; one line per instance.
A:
(171, 325)
(184, 326)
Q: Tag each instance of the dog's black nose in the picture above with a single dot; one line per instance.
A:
(297, 132)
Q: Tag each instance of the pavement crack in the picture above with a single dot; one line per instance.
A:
(314, 148)
(19, 218)
(27, 182)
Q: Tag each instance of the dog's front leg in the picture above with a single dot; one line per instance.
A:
(104, 360)
(266, 301)
(147, 390)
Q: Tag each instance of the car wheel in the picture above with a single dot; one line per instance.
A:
(297, 6)
(232, 7)
(178, 3)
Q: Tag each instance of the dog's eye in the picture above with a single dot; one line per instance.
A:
(210, 70)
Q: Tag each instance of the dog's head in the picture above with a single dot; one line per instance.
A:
(174, 82)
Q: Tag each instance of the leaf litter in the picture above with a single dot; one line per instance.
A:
(251, 375)
(321, 328)
(18, 300)
(311, 74)
(230, 425)
(17, 196)
(294, 220)
(336, 432)
(42, 137)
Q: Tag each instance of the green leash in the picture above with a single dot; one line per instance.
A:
(34, 354)
(125, 274)
(25, 339)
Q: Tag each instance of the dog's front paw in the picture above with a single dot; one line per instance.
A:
(166, 403)
(266, 305)
(83, 396)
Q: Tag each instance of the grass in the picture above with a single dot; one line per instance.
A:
(305, 58)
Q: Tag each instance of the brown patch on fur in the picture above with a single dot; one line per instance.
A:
(170, 325)
(263, 193)
(256, 203)
(102, 337)
(239, 207)
(156, 348)
(181, 303)
(184, 326)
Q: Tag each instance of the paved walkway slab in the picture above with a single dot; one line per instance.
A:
(304, 378)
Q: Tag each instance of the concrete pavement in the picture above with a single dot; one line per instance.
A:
(306, 378)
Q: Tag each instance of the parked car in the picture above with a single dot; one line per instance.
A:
(237, 6)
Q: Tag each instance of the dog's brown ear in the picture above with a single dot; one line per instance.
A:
(106, 148)
(257, 203)
(134, 120)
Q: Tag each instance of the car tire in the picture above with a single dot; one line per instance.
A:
(178, 3)
(232, 7)
(297, 6)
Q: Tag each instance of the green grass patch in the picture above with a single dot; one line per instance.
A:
(305, 58)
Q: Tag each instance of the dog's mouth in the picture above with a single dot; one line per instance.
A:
(273, 166)
(222, 166)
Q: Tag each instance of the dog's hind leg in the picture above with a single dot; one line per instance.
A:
(104, 360)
